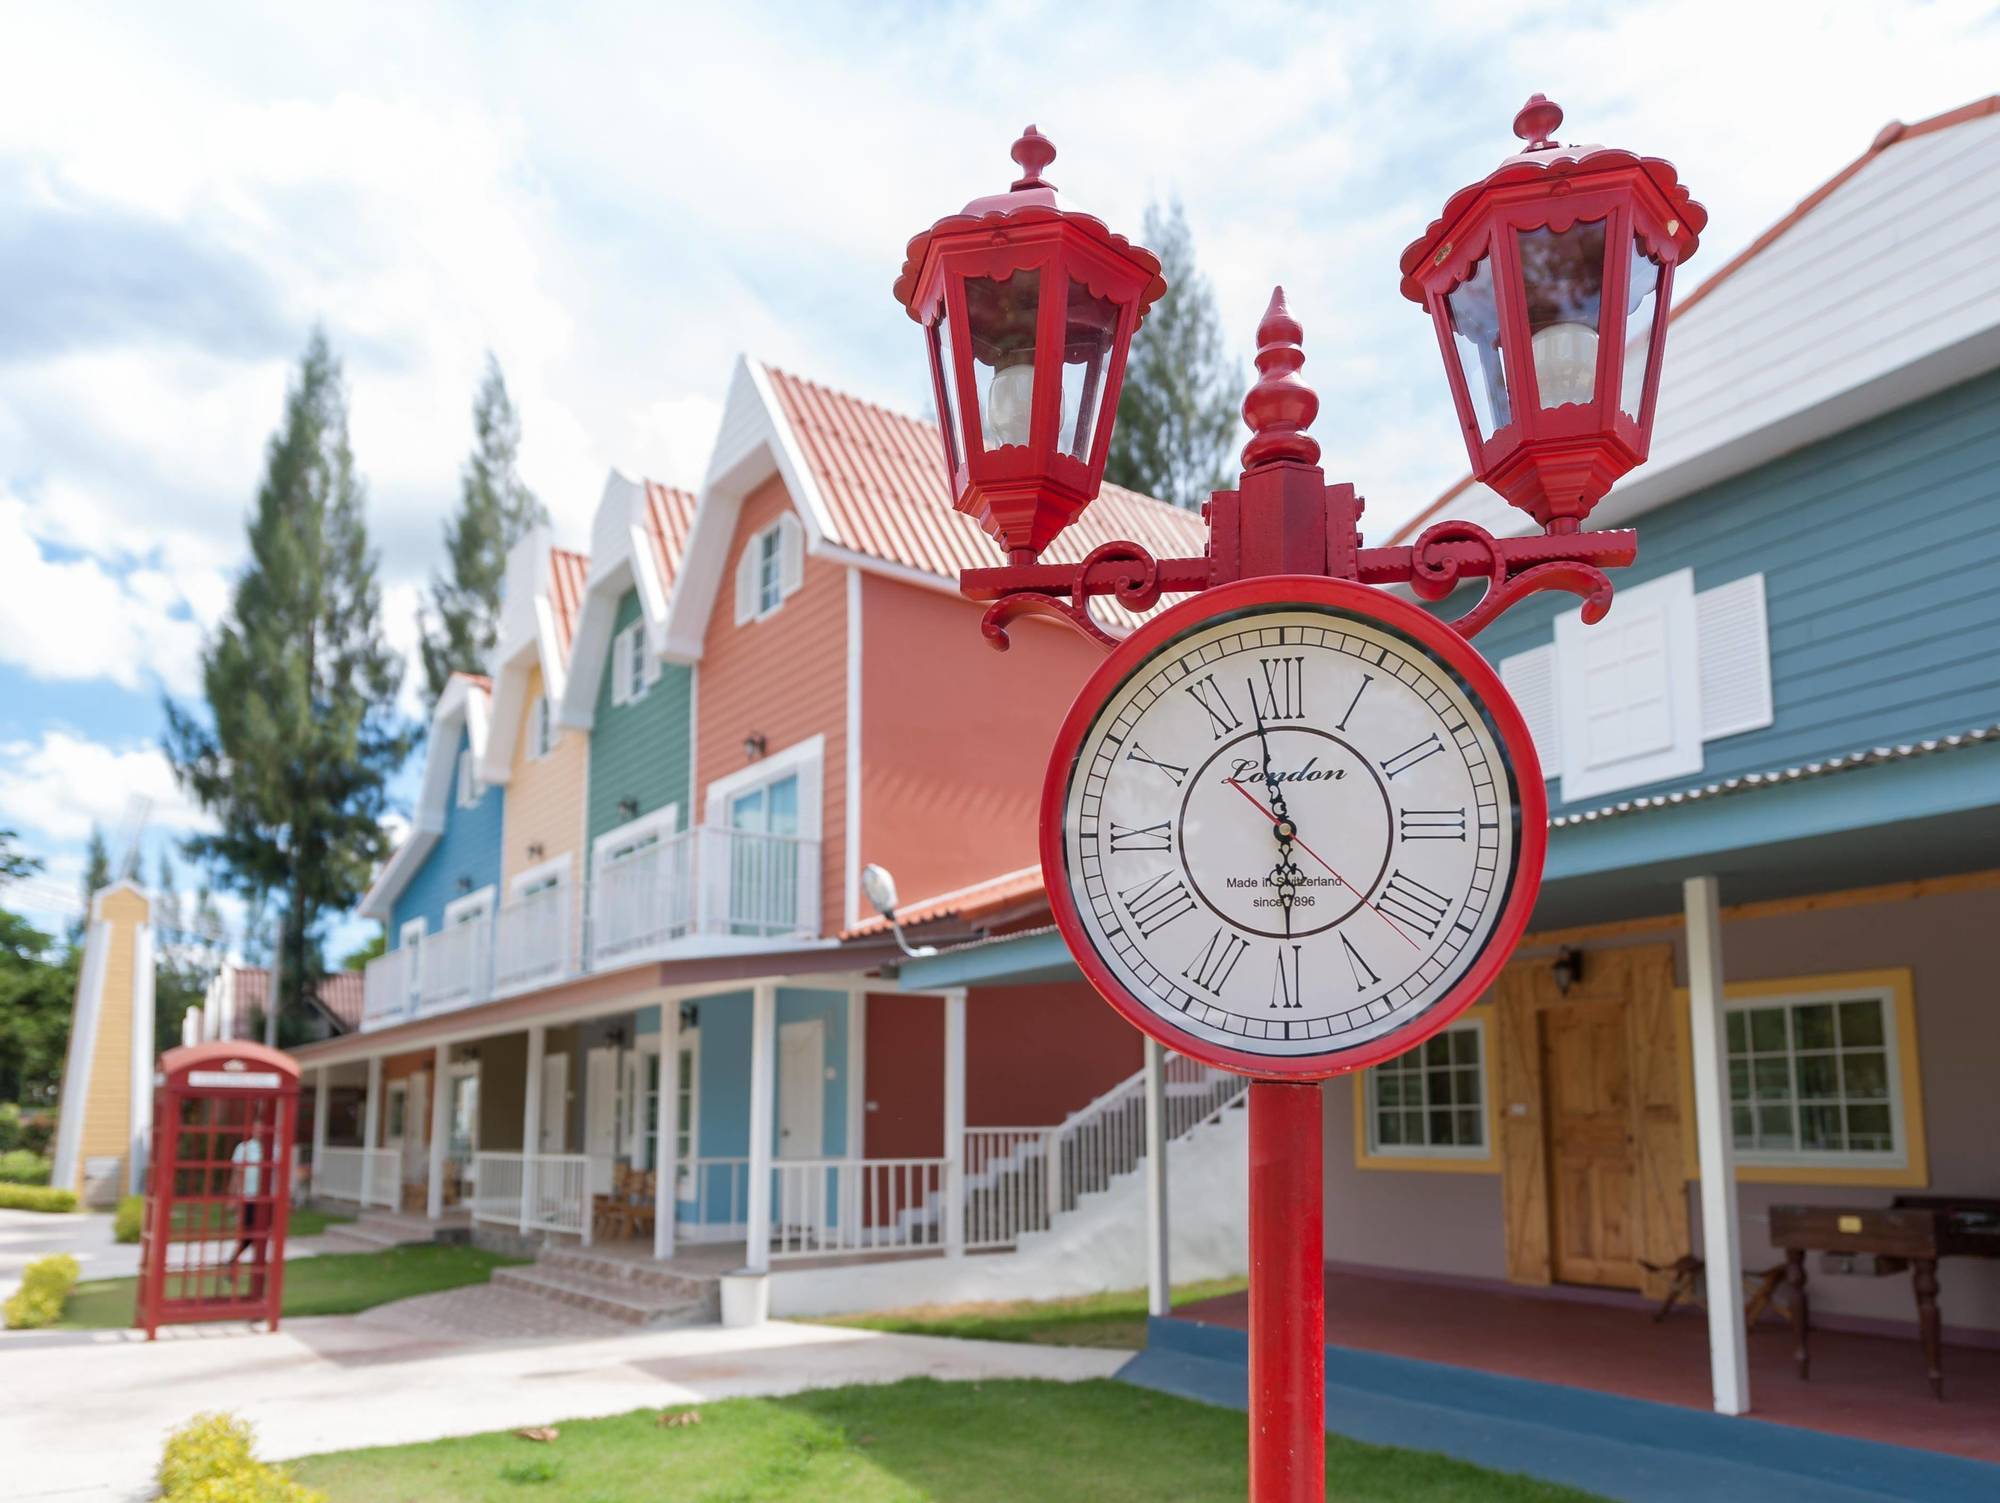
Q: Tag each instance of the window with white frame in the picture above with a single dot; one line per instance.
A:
(1631, 700)
(1431, 1102)
(469, 786)
(1814, 1079)
(771, 566)
(411, 942)
(687, 1108)
(541, 729)
(632, 666)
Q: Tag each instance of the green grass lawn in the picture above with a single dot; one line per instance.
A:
(303, 1222)
(1116, 1320)
(306, 1222)
(337, 1284)
(1004, 1442)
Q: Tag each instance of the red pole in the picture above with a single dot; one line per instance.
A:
(1287, 1294)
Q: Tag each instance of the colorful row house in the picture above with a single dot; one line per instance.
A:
(632, 998)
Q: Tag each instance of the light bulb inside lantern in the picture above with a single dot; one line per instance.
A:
(1565, 363)
(1010, 404)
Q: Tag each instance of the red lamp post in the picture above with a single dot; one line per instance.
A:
(1549, 284)
(1028, 308)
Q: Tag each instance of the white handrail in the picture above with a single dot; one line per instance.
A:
(708, 1186)
(547, 1192)
(341, 1172)
(531, 941)
(827, 1207)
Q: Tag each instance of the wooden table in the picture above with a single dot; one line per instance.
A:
(1913, 1233)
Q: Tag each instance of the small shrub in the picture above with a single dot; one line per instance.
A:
(35, 1198)
(10, 1126)
(45, 1284)
(20, 1167)
(38, 1131)
(129, 1219)
(211, 1459)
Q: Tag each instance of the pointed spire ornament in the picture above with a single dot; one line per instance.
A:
(1280, 407)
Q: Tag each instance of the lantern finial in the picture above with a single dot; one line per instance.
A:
(1280, 406)
(1538, 121)
(1033, 151)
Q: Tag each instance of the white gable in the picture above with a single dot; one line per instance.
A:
(621, 557)
(528, 637)
(464, 705)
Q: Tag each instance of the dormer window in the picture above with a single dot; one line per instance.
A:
(469, 787)
(633, 668)
(771, 566)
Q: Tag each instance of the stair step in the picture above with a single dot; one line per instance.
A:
(581, 1262)
(619, 1299)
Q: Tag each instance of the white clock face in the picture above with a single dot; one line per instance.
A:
(1290, 831)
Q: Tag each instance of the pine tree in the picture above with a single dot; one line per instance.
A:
(1177, 419)
(495, 511)
(187, 956)
(96, 877)
(302, 733)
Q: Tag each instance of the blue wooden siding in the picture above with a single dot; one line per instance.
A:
(1880, 549)
(725, 1082)
(465, 858)
(639, 751)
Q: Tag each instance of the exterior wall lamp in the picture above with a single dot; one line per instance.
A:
(1566, 968)
(535, 850)
(753, 747)
(628, 808)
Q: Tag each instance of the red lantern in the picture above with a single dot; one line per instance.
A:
(1549, 285)
(1028, 309)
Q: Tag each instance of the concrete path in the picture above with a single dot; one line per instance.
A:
(85, 1412)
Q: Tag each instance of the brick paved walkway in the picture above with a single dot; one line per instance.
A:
(483, 1312)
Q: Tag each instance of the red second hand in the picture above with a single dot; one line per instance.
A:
(1394, 927)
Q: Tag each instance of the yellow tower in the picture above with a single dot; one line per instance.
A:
(105, 1121)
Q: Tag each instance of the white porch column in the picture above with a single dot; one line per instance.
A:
(666, 1130)
(371, 1127)
(1729, 1372)
(857, 1113)
(322, 1088)
(954, 1123)
(1158, 1300)
(531, 1121)
(763, 1121)
(440, 1129)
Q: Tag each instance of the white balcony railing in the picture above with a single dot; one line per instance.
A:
(531, 941)
(456, 965)
(386, 994)
(707, 881)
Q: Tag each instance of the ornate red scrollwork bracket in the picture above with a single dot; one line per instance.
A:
(1283, 518)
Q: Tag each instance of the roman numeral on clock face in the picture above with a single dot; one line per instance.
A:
(1285, 984)
(1210, 969)
(1404, 760)
(1431, 824)
(1357, 967)
(1221, 718)
(1159, 837)
(1415, 906)
(1156, 904)
(1137, 753)
(1284, 696)
(1366, 680)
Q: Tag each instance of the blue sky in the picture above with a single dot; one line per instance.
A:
(620, 199)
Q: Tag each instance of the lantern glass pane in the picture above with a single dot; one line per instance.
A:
(1087, 335)
(1475, 327)
(1562, 273)
(1002, 319)
(1642, 310)
(944, 360)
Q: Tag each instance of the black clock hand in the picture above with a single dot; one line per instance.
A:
(1285, 875)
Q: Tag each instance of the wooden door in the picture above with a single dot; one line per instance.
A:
(1593, 1163)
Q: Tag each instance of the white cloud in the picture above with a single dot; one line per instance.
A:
(73, 619)
(53, 790)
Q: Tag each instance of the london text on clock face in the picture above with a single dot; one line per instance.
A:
(1290, 831)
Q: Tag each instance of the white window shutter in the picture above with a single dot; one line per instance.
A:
(1531, 678)
(746, 583)
(1734, 646)
(653, 664)
(621, 670)
(1629, 701)
(791, 554)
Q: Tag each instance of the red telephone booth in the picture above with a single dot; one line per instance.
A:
(213, 1244)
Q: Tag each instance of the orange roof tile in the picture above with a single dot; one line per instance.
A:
(881, 475)
(567, 572)
(669, 514)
